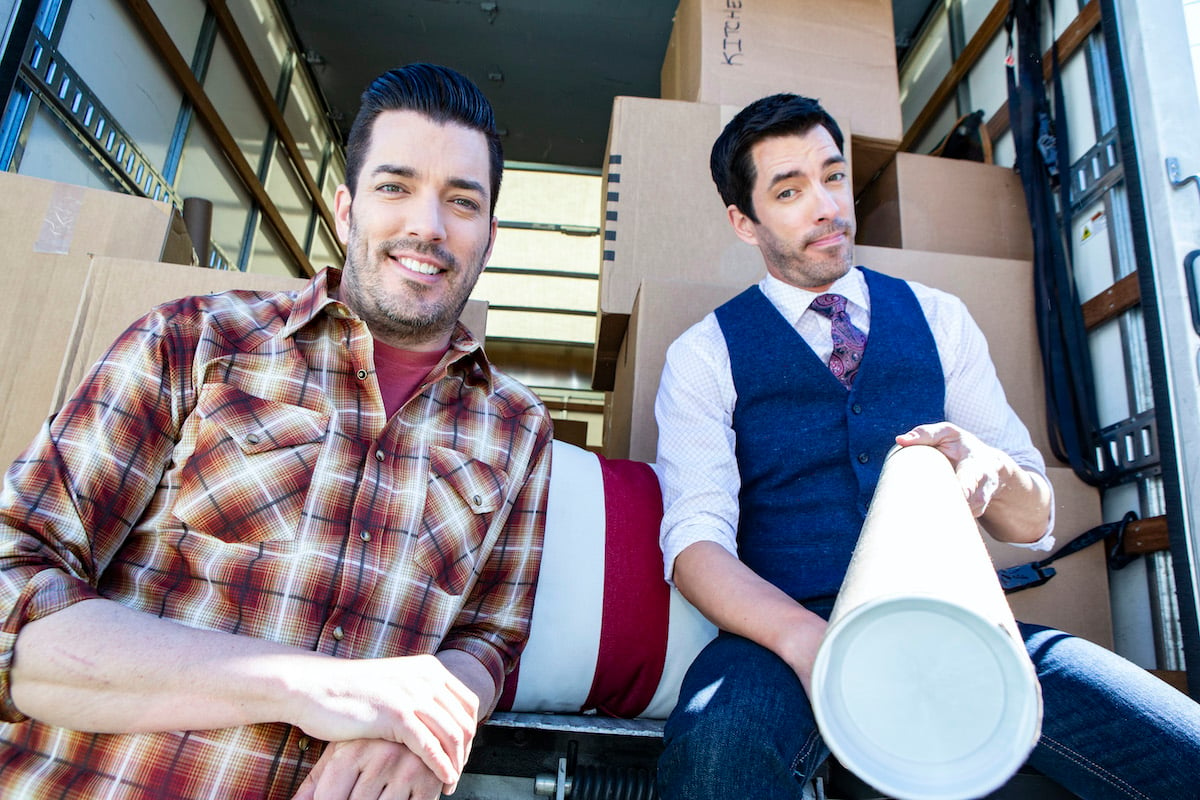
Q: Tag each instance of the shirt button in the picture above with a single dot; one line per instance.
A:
(252, 439)
(302, 744)
(364, 535)
(863, 458)
(362, 374)
(856, 408)
(379, 456)
(477, 500)
(338, 633)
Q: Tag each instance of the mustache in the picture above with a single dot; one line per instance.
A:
(836, 225)
(418, 247)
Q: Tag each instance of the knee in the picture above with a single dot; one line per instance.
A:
(743, 728)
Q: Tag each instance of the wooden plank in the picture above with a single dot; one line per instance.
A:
(1175, 677)
(1112, 302)
(1146, 536)
(266, 102)
(175, 63)
(991, 25)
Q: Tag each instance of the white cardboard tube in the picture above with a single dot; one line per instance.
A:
(922, 686)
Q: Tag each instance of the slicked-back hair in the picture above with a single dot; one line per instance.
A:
(732, 162)
(438, 92)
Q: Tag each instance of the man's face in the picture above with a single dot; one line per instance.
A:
(805, 207)
(418, 230)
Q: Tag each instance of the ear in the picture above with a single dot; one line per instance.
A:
(743, 226)
(341, 213)
(491, 242)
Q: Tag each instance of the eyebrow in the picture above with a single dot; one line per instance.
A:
(408, 172)
(792, 173)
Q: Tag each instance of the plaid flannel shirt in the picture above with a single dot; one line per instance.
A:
(229, 465)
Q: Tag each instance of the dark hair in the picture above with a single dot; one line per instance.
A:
(439, 93)
(732, 162)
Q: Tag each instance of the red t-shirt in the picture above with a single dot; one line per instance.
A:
(401, 372)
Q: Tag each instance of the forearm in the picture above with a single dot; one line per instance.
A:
(737, 600)
(1019, 510)
(99, 666)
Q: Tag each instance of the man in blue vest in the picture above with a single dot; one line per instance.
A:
(775, 413)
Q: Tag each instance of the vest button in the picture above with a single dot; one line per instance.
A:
(863, 458)
(856, 408)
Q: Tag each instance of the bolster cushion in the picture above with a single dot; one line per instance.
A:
(607, 635)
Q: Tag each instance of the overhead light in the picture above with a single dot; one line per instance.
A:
(491, 9)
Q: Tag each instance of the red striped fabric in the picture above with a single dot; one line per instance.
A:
(633, 628)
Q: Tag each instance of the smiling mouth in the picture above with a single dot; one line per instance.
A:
(418, 266)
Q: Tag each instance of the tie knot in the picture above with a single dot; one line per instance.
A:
(829, 304)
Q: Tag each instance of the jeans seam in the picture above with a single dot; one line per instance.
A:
(810, 742)
(1100, 772)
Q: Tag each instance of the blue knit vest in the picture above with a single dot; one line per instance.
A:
(810, 452)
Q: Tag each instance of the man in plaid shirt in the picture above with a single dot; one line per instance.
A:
(270, 521)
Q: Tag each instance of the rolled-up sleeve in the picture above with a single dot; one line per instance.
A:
(696, 460)
(70, 499)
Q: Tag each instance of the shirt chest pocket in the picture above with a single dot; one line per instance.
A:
(248, 475)
(461, 498)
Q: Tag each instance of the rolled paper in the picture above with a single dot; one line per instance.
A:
(922, 686)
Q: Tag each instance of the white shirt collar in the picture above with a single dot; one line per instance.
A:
(792, 301)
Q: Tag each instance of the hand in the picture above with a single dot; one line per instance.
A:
(370, 769)
(414, 701)
(978, 466)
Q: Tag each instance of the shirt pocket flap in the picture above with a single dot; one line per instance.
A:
(480, 485)
(260, 426)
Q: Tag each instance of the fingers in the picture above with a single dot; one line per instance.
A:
(933, 434)
(369, 769)
(975, 463)
(441, 729)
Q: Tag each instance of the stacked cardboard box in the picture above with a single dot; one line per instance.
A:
(929, 203)
(732, 52)
(51, 231)
(663, 217)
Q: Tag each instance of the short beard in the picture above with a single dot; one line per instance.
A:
(386, 318)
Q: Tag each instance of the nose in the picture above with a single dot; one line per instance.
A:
(423, 218)
(825, 205)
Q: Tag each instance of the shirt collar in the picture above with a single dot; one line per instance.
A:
(316, 297)
(792, 301)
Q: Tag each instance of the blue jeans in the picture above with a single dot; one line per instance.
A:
(744, 728)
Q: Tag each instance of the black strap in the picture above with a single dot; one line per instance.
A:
(1035, 573)
(1044, 166)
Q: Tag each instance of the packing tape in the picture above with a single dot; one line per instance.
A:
(58, 226)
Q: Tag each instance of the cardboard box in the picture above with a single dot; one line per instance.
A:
(663, 218)
(1076, 599)
(928, 203)
(731, 52)
(51, 230)
(119, 291)
(662, 311)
